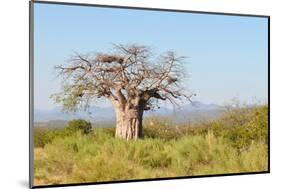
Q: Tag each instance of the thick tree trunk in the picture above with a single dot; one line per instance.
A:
(129, 123)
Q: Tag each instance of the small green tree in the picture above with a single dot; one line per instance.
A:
(79, 125)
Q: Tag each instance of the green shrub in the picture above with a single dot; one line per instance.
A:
(79, 125)
(41, 137)
(161, 127)
(162, 132)
(254, 129)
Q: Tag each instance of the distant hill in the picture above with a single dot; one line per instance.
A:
(51, 124)
(105, 116)
(195, 111)
(95, 113)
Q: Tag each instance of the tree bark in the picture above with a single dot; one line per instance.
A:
(129, 123)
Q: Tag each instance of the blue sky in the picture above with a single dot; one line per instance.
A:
(227, 55)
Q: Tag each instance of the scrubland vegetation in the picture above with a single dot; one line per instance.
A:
(235, 142)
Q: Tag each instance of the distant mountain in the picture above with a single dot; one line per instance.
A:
(51, 124)
(95, 113)
(105, 115)
(195, 111)
(198, 111)
(197, 106)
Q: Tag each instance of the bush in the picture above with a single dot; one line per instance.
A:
(162, 128)
(254, 129)
(41, 137)
(79, 125)
(162, 132)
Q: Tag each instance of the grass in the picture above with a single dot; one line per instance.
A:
(98, 156)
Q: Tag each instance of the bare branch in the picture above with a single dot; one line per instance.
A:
(125, 75)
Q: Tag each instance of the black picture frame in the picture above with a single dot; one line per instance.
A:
(31, 90)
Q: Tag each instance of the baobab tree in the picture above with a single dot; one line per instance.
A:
(129, 76)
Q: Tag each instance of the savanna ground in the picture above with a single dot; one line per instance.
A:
(233, 143)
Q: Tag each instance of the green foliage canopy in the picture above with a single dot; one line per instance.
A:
(79, 125)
